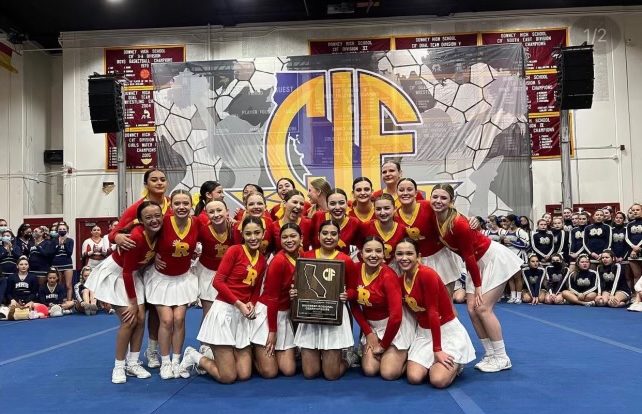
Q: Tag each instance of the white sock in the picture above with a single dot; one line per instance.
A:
(488, 346)
(152, 345)
(132, 358)
(513, 294)
(519, 295)
(176, 358)
(119, 364)
(499, 348)
(165, 359)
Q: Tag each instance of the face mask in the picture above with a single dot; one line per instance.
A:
(6, 239)
(556, 264)
(53, 234)
(3, 229)
(27, 235)
(62, 233)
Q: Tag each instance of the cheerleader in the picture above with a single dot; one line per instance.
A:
(567, 215)
(493, 231)
(226, 328)
(170, 285)
(24, 239)
(459, 292)
(294, 211)
(94, 249)
(548, 217)
(215, 238)
(321, 345)
(391, 175)
(615, 292)
(248, 190)
(576, 241)
(534, 277)
(597, 237)
(384, 226)
(518, 241)
(63, 250)
(283, 187)
(271, 331)
(441, 347)
(634, 240)
(583, 284)
(318, 192)
(210, 191)
(376, 304)
(362, 206)
(489, 266)
(337, 204)
(608, 217)
(85, 299)
(620, 247)
(118, 281)
(255, 207)
(53, 294)
(40, 255)
(22, 287)
(556, 279)
(9, 254)
(560, 237)
(542, 241)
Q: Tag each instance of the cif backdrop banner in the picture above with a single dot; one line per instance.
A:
(450, 115)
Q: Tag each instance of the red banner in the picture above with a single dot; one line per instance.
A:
(545, 136)
(136, 65)
(539, 45)
(431, 41)
(541, 92)
(333, 47)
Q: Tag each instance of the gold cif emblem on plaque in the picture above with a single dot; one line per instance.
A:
(328, 274)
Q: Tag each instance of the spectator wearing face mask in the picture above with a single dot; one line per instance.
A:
(62, 262)
(9, 254)
(23, 239)
(40, 254)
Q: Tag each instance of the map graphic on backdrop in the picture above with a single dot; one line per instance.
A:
(456, 115)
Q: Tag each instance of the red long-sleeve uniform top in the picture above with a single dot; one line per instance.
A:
(134, 259)
(348, 232)
(305, 224)
(351, 269)
(176, 247)
(363, 219)
(421, 226)
(276, 289)
(390, 239)
(469, 244)
(203, 217)
(375, 298)
(129, 216)
(428, 298)
(277, 211)
(214, 245)
(268, 237)
(240, 275)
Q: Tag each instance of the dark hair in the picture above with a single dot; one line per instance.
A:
(512, 218)
(285, 179)
(21, 258)
(291, 194)
(360, 179)
(411, 241)
(206, 187)
(396, 163)
(258, 187)
(21, 230)
(54, 271)
(414, 183)
(329, 223)
(292, 226)
(336, 191)
(251, 219)
(253, 194)
(149, 172)
(374, 238)
(142, 206)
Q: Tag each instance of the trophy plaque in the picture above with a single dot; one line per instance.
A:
(319, 282)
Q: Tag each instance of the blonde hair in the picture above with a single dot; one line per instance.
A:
(322, 186)
(451, 215)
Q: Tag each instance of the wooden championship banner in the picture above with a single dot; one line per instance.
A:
(319, 282)
(138, 96)
(541, 82)
(435, 40)
(332, 47)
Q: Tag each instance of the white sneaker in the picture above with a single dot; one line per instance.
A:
(206, 351)
(190, 359)
(176, 369)
(483, 362)
(136, 370)
(152, 358)
(518, 301)
(118, 375)
(496, 364)
(635, 307)
(166, 371)
(511, 300)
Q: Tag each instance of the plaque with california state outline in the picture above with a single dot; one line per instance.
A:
(319, 282)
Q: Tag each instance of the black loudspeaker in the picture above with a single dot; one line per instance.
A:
(105, 104)
(575, 77)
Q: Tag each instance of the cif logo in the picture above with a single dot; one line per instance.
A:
(328, 274)
(357, 103)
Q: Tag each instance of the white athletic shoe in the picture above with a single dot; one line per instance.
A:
(206, 351)
(118, 375)
(166, 371)
(190, 359)
(496, 364)
(176, 369)
(483, 362)
(511, 300)
(518, 301)
(136, 370)
(152, 358)
(635, 307)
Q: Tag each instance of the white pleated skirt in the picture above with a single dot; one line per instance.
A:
(325, 337)
(166, 290)
(447, 264)
(405, 336)
(496, 266)
(205, 277)
(106, 281)
(454, 341)
(225, 325)
(259, 328)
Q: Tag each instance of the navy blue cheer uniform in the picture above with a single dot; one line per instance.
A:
(613, 280)
(584, 281)
(620, 247)
(634, 235)
(534, 280)
(495, 235)
(560, 242)
(62, 255)
(9, 259)
(576, 241)
(40, 257)
(568, 225)
(542, 243)
(22, 290)
(556, 278)
(597, 238)
(55, 296)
